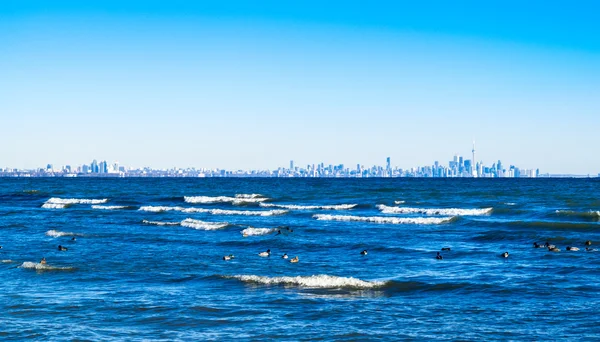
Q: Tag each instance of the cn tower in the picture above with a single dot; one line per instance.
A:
(474, 163)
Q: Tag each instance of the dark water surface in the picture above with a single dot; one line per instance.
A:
(147, 262)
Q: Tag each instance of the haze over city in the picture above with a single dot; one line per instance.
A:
(248, 85)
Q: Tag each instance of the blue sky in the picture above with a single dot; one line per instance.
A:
(246, 84)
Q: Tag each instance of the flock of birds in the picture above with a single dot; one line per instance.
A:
(551, 248)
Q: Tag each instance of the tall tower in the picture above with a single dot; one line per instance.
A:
(474, 162)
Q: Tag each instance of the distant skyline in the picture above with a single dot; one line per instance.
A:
(252, 85)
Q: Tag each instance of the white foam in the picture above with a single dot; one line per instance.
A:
(238, 199)
(157, 223)
(250, 231)
(389, 220)
(56, 233)
(54, 206)
(39, 266)
(309, 207)
(202, 225)
(249, 196)
(433, 211)
(158, 209)
(109, 207)
(510, 203)
(314, 281)
(6, 261)
(399, 202)
(56, 200)
(590, 213)
(236, 212)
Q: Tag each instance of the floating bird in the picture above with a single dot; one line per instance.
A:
(588, 243)
(504, 255)
(62, 248)
(587, 249)
(265, 254)
(549, 246)
(537, 245)
(43, 261)
(228, 257)
(364, 252)
(574, 249)
(553, 249)
(446, 249)
(294, 259)
(73, 239)
(285, 256)
(439, 256)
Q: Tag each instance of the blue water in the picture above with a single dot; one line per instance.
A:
(126, 277)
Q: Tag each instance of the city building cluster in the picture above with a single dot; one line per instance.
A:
(457, 167)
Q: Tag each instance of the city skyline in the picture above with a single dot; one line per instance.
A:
(251, 85)
(457, 166)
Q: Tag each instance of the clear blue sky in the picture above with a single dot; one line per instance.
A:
(253, 84)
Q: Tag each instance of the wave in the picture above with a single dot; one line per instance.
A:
(388, 220)
(110, 207)
(581, 214)
(56, 200)
(43, 267)
(250, 231)
(554, 225)
(158, 209)
(237, 200)
(322, 281)
(309, 207)
(157, 223)
(399, 202)
(54, 206)
(236, 212)
(247, 196)
(202, 225)
(56, 233)
(432, 211)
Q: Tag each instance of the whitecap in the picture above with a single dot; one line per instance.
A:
(250, 231)
(56, 233)
(42, 267)
(309, 207)
(109, 207)
(399, 202)
(158, 209)
(314, 281)
(236, 212)
(434, 211)
(238, 199)
(202, 225)
(6, 261)
(157, 223)
(54, 206)
(388, 220)
(56, 200)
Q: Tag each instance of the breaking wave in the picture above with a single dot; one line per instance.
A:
(109, 207)
(389, 220)
(250, 231)
(236, 212)
(56, 233)
(238, 199)
(54, 206)
(309, 207)
(43, 267)
(399, 202)
(158, 209)
(581, 214)
(446, 212)
(56, 200)
(323, 281)
(202, 225)
(157, 223)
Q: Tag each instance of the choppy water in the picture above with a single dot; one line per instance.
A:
(147, 261)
